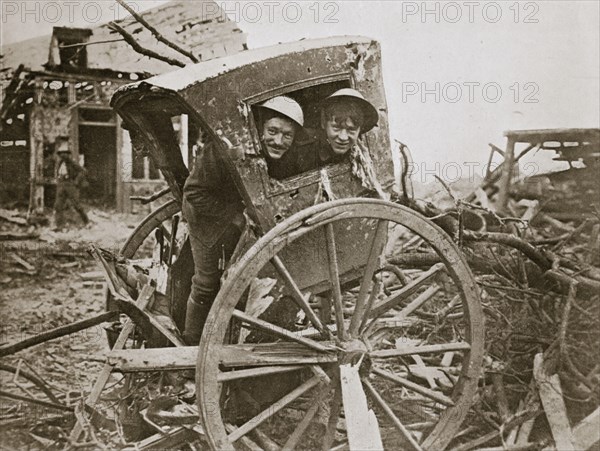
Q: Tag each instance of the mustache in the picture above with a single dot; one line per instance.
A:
(276, 146)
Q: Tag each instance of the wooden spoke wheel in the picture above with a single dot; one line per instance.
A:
(385, 353)
(139, 245)
(159, 218)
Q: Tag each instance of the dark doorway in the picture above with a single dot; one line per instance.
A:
(98, 146)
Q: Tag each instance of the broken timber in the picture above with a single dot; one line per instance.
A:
(146, 295)
(185, 357)
(57, 332)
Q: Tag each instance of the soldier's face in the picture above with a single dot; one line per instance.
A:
(277, 136)
(341, 135)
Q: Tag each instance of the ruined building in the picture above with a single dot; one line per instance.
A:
(61, 85)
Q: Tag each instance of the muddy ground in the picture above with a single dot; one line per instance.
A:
(51, 280)
(62, 285)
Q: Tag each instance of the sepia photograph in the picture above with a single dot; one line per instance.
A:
(299, 225)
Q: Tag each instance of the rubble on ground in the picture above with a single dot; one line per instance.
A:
(537, 267)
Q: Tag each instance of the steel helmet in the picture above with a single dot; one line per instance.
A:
(286, 106)
(370, 112)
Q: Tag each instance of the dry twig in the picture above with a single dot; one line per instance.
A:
(156, 33)
(142, 50)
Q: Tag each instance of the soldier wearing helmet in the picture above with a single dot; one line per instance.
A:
(345, 115)
(214, 209)
(70, 177)
(281, 120)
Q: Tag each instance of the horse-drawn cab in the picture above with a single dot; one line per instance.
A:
(333, 291)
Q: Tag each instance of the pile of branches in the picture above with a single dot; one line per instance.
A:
(540, 282)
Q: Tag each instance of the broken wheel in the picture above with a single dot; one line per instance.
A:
(153, 232)
(380, 355)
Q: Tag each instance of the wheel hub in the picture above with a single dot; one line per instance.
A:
(355, 352)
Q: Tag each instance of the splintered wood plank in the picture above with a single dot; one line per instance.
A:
(164, 329)
(587, 432)
(154, 359)
(240, 355)
(361, 422)
(265, 354)
(425, 349)
(395, 299)
(146, 295)
(164, 440)
(550, 392)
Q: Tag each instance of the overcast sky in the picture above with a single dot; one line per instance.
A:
(457, 74)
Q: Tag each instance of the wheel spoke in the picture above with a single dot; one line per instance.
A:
(280, 331)
(431, 394)
(418, 302)
(256, 372)
(395, 299)
(447, 308)
(425, 349)
(273, 409)
(370, 303)
(401, 317)
(334, 277)
(293, 439)
(335, 408)
(391, 415)
(269, 354)
(297, 295)
(370, 268)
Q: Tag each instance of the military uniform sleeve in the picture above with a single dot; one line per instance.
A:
(210, 189)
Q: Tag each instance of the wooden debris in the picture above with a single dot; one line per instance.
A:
(587, 433)
(18, 236)
(164, 440)
(185, 357)
(145, 297)
(24, 263)
(57, 333)
(10, 217)
(361, 422)
(39, 402)
(92, 276)
(552, 400)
